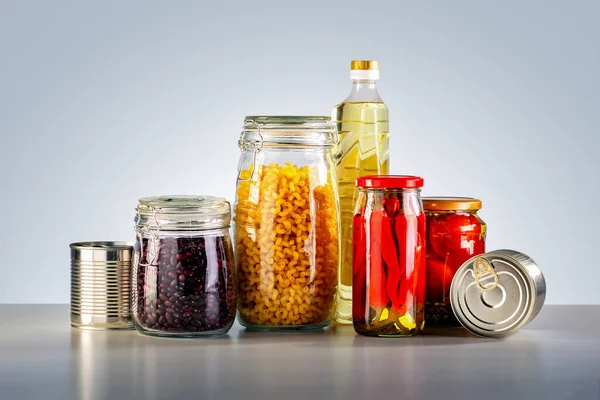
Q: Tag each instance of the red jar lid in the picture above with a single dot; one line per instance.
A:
(389, 182)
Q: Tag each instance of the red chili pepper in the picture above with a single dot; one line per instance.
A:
(391, 206)
(389, 252)
(401, 227)
(359, 243)
(377, 277)
(359, 290)
(420, 260)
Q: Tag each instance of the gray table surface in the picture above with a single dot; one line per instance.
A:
(557, 356)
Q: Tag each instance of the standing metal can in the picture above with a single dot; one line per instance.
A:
(388, 283)
(455, 233)
(497, 293)
(100, 285)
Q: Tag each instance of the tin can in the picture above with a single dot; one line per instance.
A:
(100, 285)
(497, 293)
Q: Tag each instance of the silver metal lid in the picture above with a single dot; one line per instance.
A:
(183, 213)
(100, 285)
(495, 294)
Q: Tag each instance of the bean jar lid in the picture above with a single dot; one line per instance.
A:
(183, 213)
(495, 294)
(287, 131)
(389, 182)
(433, 203)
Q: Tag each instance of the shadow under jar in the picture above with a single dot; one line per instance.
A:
(388, 260)
(455, 233)
(183, 269)
(286, 223)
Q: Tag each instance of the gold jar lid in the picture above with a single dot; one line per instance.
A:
(451, 204)
(364, 65)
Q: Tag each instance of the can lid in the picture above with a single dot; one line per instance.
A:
(433, 203)
(389, 182)
(493, 294)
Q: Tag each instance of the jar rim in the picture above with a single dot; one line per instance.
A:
(311, 130)
(444, 203)
(287, 119)
(182, 202)
(183, 212)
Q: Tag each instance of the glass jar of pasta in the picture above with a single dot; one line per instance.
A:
(286, 223)
(455, 233)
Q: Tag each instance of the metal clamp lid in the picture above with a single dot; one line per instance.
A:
(246, 145)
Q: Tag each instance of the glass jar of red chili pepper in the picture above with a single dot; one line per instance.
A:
(455, 233)
(388, 287)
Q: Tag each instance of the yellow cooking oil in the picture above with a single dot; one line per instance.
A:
(362, 149)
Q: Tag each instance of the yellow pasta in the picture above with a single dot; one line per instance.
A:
(286, 246)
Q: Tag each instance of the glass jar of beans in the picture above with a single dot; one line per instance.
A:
(183, 269)
(286, 223)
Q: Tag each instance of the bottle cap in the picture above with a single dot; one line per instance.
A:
(364, 70)
(451, 204)
(389, 182)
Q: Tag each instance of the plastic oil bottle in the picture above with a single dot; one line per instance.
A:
(362, 149)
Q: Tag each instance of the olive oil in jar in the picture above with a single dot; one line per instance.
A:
(362, 149)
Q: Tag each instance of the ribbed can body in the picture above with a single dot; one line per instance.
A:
(100, 285)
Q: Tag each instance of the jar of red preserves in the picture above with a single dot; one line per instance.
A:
(455, 233)
(388, 260)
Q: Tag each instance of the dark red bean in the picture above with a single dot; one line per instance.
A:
(184, 302)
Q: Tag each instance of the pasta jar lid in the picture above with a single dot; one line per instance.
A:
(495, 294)
(182, 212)
(287, 131)
(389, 182)
(433, 203)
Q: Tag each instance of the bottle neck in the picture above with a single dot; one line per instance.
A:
(364, 91)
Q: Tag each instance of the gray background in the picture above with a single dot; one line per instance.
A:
(102, 103)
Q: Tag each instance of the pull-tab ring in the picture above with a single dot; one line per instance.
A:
(244, 146)
(483, 270)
